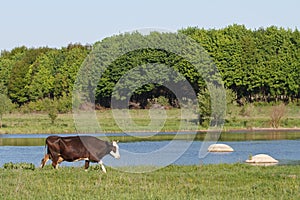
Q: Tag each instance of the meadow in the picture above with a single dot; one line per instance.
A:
(247, 117)
(222, 181)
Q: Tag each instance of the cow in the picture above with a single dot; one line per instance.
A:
(75, 148)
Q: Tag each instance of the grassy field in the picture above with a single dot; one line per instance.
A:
(169, 120)
(223, 181)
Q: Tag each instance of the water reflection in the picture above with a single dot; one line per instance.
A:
(39, 139)
(22, 141)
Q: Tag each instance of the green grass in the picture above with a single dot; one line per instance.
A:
(40, 123)
(36, 123)
(169, 120)
(259, 116)
(223, 181)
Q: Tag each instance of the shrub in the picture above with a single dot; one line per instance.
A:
(5, 106)
(63, 105)
(159, 101)
(26, 166)
(276, 115)
(163, 101)
(52, 110)
(247, 110)
(212, 104)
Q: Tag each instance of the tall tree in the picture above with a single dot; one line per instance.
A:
(5, 106)
(19, 82)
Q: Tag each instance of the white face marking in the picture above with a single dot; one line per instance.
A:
(115, 154)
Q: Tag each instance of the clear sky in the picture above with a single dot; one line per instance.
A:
(56, 23)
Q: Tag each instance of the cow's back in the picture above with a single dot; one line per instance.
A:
(79, 147)
(97, 148)
(52, 139)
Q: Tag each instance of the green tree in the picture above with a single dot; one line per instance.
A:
(212, 103)
(42, 84)
(7, 60)
(259, 65)
(51, 106)
(19, 82)
(144, 57)
(65, 75)
(5, 106)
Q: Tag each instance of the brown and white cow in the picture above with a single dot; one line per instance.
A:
(76, 148)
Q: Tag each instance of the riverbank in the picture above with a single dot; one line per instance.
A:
(258, 119)
(39, 139)
(223, 181)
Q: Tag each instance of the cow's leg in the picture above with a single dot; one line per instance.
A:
(60, 159)
(55, 164)
(86, 164)
(102, 166)
(44, 160)
(55, 160)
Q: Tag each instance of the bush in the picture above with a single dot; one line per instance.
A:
(25, 166)
(5, 106)
(212, 104)
(33, 106)
(247, 110)
(161, 101)
(63, 105)
(276, 115)
(52, 110)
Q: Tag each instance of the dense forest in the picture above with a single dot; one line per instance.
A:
(257, 65)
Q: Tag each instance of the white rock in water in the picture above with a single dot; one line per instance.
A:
(220, 148)
(262, 158)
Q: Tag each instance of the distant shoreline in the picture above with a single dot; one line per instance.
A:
(39, 123)
(172, 132)
(256, 129)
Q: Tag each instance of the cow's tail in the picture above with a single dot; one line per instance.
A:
(45, 158)
(46, 147)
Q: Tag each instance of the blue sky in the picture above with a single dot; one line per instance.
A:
(57, 23)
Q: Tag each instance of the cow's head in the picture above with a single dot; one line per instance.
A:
(115, 150)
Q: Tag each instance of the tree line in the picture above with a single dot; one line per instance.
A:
(257, 65)
(31, 75)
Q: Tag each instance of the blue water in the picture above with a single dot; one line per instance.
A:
(162, 153)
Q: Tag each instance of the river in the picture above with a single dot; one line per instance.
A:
(159, 153)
